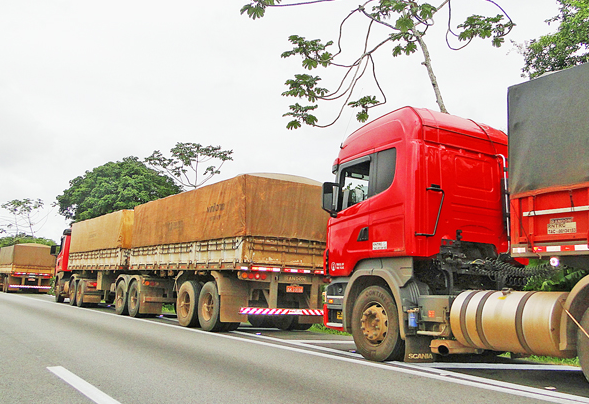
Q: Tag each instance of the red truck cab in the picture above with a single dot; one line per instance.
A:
(411, 179)
(62, 273)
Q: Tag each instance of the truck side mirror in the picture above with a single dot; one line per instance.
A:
(54, 250)
(330, 192)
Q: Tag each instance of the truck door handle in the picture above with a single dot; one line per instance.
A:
(363, 235)
(435, 188)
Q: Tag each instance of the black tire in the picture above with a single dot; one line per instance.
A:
(260, 321)
(80, 293)
(121, 301)
(583, 344)
(72, 292)
(187, 304)
(227, 327)
(209, 307)
(300, 327)
(133, 300)
(285, 322)
(59, 298)
(109, 297)
(375, 326)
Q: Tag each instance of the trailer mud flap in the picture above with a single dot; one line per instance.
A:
(417, 349)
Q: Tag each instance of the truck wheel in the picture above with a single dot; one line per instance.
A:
(72, 292)
(375, 325)
(260, 321)
(186, 304)
(285, 323)
(59, 298)
(5, 284)
(133, 300)
(300, 326)
(121, 302)
(209, 307)
(583, 345)
(80, 293)
(227, 327)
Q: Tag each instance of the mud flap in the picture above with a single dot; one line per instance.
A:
(417, 349)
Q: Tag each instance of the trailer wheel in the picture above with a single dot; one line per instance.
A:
(133, 300)
(283, 322)
(121, 301)
(260, 321)
(583, 345)
(186, 304)
(80, 293)
(5, 284)
(72, 292)
(375, 325)
(227, 327)
(209, 309)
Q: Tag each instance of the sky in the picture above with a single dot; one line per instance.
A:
(86, 82)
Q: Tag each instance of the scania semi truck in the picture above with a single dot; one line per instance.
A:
(425, 230)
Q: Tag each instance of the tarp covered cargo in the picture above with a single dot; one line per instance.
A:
(113, 230)
(549, 131)
(269, 205)
(27, 255)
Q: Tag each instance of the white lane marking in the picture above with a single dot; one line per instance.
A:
(82, 386)
(432, 373)
(501, 366)
(320, 341)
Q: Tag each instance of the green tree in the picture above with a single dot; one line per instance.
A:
(406, 23)
(191, 163)
(567, 47)
(112, 187)
(23, 212)
(24, 239)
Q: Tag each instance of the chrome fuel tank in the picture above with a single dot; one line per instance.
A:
(519, 322)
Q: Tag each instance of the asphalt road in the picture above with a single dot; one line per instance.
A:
(54, 353)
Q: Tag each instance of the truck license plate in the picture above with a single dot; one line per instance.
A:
(294, 289)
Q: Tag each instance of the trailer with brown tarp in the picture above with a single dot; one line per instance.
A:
(25, 267)
(242, 248)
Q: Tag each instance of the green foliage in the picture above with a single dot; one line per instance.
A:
(320, 328)
(112, 187)
(22, 212)
(186, 164)
(301, 115)
(257, 8)
(364, 103)
(409, 21)
(485, 27)
(562, 280)
(567, 47)
(24, 239)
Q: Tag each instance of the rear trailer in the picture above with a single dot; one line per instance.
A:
(26, 267)
(549, 165)
(223, 254)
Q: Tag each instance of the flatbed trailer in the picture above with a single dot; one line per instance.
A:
(26, 267)
(234, 251)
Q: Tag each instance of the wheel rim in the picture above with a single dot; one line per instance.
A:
(119, 301)
(72, 291)
(208, 307)
(184, 307)
(79, 291)
(374, 323)
(133, 298)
